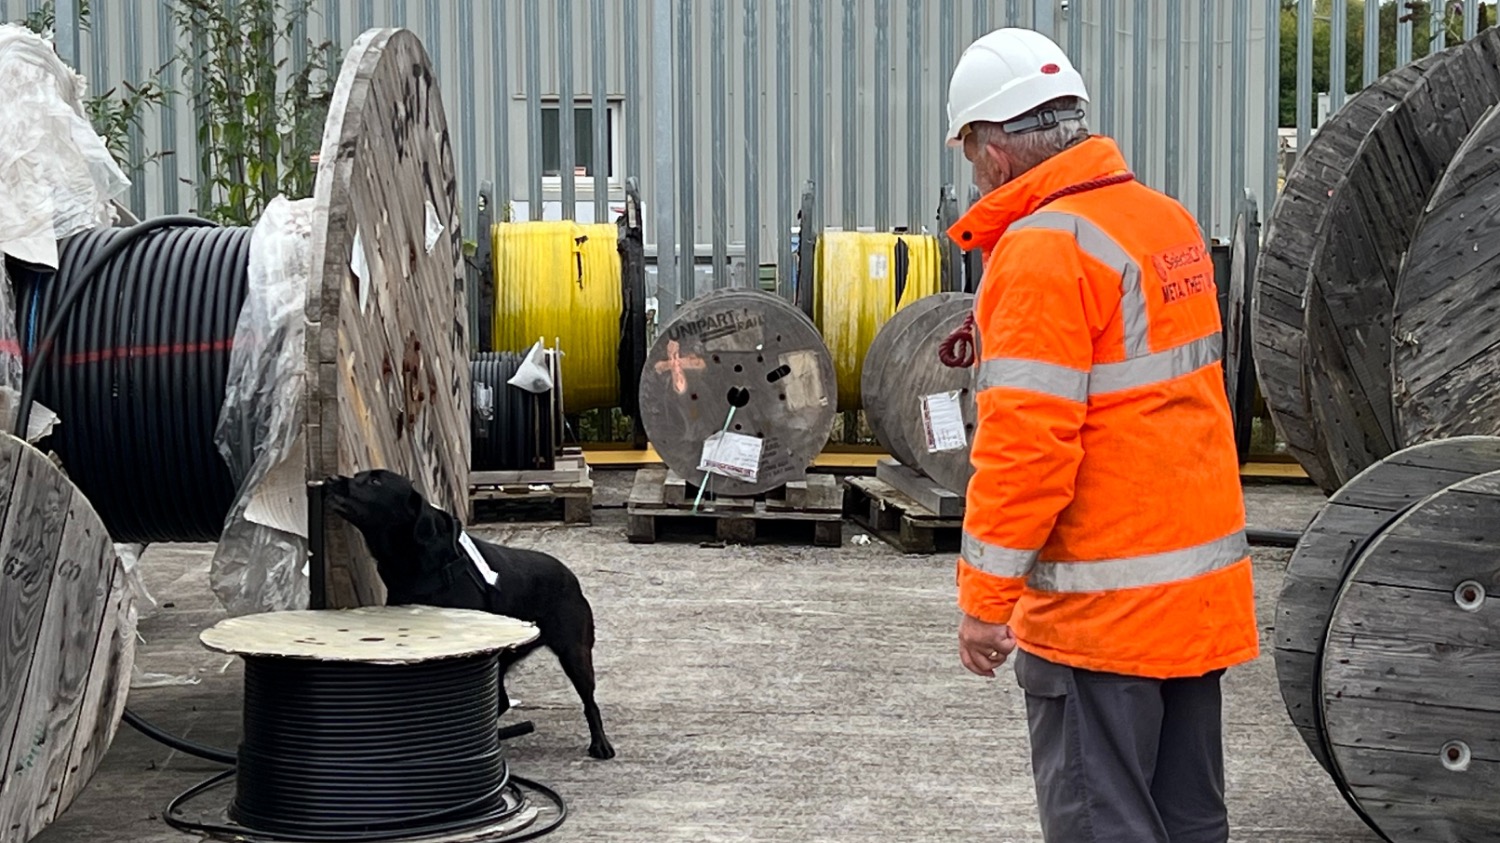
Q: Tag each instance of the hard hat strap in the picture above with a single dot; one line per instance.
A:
(1047, 118)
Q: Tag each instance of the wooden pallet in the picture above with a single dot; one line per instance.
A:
(898, 519)
(661, 499)
(568, 487)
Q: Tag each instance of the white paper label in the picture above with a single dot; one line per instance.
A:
(943, 419)
(434, 226)
(361, 268)
(477, 558)
(484, 401)
(880, 267)
(733, 455)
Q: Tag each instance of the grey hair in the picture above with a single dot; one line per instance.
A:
(1029, 149)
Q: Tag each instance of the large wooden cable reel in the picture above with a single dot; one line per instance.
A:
(1408, 707)
(902, 368)
(1445, 351)
(1374, 212)
(1293, 230)
(388, 374)
(1325, 553)
(751, 352)
(1239, 363)
(67, 641)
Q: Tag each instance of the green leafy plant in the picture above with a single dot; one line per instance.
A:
(115, 112)
(257, 134)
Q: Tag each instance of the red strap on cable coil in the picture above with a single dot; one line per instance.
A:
(958, 351)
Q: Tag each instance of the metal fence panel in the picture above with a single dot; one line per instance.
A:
(724, 109)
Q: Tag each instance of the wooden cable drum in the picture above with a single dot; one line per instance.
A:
(1293, 230)
(1410, 690)
(1375, 210)
(902, 374)
(749, 369)
(388, 374)
(68, 644)
(1445, 351)
(1239, 355)
(1323, 555)
(862, 279)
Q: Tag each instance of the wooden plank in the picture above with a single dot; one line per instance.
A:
(388, 381)
(884, 363)
(899, 520)
(57, 619)
(1293, 230)
(1446, 352)
(1410, 690)
(1375, 210)
(942, 502)
(750, 352)
(1317, 566)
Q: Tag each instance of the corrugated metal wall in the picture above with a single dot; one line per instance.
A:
(766, 95)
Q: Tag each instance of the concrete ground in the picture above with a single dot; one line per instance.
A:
(769, 693)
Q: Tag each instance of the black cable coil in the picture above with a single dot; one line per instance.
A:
(519, 429)
(137, 372)
(336, 751)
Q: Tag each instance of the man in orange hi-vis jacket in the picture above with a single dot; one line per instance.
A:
(1104, 535)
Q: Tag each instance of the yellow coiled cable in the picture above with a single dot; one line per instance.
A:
(562, 280)
(855, 293)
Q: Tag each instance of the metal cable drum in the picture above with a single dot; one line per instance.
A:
(862, 278)
(746, 367)
(514, 429)
(1239, 363)
(572, 281)
(902, 369)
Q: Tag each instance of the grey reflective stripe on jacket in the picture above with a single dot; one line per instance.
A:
(1141, 366)
(1106, 574)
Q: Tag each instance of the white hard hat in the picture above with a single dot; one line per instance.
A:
(1007, 73)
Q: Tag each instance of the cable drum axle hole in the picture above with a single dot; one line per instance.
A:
(1469, 595)
(1456, 756)
(738, 397)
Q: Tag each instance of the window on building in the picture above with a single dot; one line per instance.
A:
(583, 140)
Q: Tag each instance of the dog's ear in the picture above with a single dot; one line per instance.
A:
(436, 534)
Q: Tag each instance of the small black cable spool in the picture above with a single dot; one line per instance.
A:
(512, 429)
(371, 724)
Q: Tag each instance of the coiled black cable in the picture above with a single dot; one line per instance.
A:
(353, 751)
(139, 324)
(518, 431)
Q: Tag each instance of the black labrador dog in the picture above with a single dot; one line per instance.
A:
(420, 557)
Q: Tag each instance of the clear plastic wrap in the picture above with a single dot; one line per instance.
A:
(260, 564)
(55, 171)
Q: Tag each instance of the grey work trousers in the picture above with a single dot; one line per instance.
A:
(1125, 759)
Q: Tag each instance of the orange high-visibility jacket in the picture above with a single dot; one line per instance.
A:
(1105, 518)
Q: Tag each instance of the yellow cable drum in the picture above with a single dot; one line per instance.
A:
(563, 280)
(862, 277)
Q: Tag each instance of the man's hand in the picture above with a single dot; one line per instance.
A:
(982, 647)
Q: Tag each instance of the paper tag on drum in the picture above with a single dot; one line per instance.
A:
(943, 419)
(880, 267)
(732, 455)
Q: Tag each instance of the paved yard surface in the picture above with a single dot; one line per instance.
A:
(773, 693)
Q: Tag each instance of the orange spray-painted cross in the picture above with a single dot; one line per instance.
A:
(678, 364)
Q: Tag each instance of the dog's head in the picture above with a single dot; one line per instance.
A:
(407, 536)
